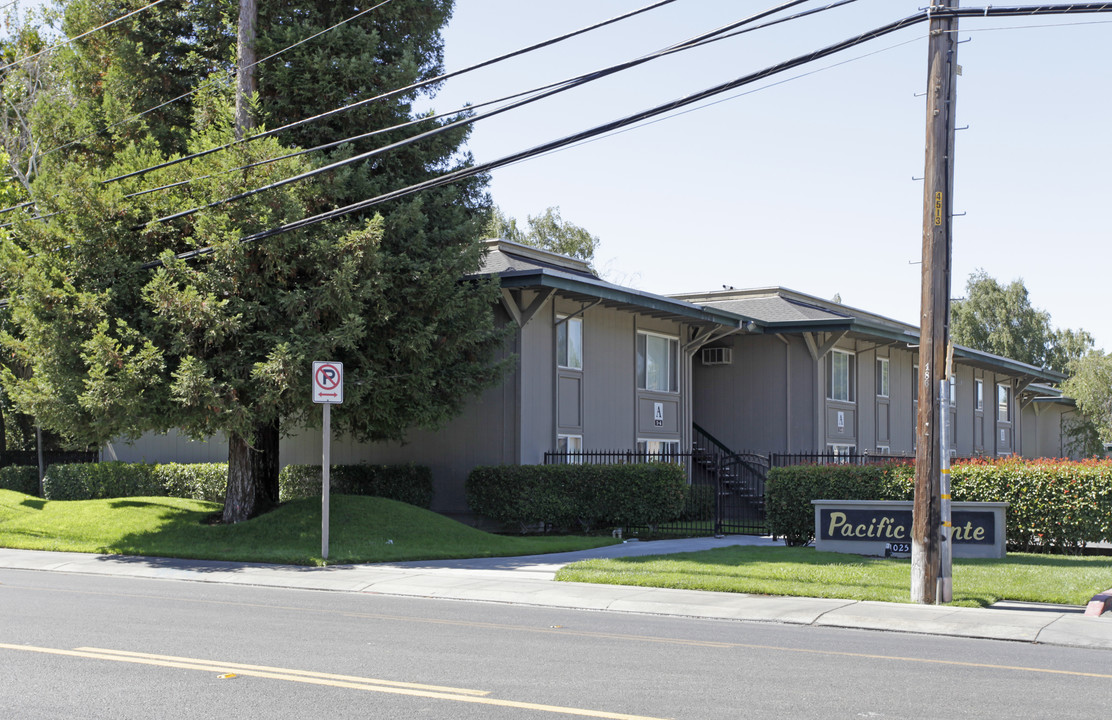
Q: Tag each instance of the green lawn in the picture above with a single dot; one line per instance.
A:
(359, 531)
(806, 572)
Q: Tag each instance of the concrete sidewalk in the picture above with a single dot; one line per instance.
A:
(529, 581)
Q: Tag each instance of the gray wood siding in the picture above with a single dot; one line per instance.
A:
(609, 379)
(537, 363)
(764, 400)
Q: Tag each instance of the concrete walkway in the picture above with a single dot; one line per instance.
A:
(529, 581)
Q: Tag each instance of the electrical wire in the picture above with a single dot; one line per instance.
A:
(698, 41)
(728, 99)
(67, 41)
(560, 87)
(397, 91)
(464, 173)
(1021, 10)
(191, 92)
(211, 81)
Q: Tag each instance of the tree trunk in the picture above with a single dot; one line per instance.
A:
(252, 474)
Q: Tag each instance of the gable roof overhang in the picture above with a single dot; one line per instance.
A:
(586, 289)
(779, 310)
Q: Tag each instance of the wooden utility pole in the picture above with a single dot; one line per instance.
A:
(245, 74)
(935, 305)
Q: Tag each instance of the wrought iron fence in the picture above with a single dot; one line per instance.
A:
(613, 457)
(833, 458)
(726, 492)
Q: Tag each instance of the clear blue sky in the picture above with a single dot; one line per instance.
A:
(808, 184)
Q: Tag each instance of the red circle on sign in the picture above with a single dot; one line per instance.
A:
(327, 377)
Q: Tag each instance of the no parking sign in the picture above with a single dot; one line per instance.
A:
(328, 382)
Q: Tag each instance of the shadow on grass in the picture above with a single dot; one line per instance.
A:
(34, 503)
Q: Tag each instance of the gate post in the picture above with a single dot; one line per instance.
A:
(718, 471)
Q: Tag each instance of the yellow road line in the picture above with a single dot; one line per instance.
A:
(366, 684)
(600, 635)
(239, 667)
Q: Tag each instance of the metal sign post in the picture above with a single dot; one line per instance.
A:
(945, 592)
(328, 390)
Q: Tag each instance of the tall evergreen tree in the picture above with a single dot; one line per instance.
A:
(224, 341)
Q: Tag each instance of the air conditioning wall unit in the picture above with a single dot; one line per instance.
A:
(718, 356)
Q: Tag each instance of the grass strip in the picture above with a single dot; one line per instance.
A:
(361, 530)
(805, 572)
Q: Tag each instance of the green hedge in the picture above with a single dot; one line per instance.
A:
(1053, 504)
(21, 478)
(91, 481)
(700, 503)
(583, 497)
(199, 481)
(790, 490)
(408, 483)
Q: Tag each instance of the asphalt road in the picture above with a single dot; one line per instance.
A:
(108, 647)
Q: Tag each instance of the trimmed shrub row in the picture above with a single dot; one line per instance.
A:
(21, 478)
(583, 497)
(92, 481)
(790, 490)
(408, 483)
(208, 481)
(1053, 504)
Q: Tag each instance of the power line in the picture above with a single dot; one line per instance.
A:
(213, 81)
(731, 97)
(397, 91)
(697, 41)
(557, 88)
(67, 41)
(1022, 10)
(453, 177)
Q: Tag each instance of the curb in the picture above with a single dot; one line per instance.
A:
(1099, 604)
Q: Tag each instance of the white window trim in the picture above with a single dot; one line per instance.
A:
(852, 376)
(644, 442)
(887, 363)
(569, 450)
(566, 321)
(841, 450)
(665, 336)
(1011, 412)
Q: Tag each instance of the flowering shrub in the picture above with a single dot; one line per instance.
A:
(1053, 504)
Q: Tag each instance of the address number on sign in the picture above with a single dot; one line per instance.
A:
(898, 547)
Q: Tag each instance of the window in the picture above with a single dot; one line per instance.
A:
(1003, 403)
(915, 384)
(841, 376)
(882, 377)
(571, 447)
(883, 450)
(569, 342)
(953, 390)
(655, 450)
(657, 357)
(841, 453)
(980, 391)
